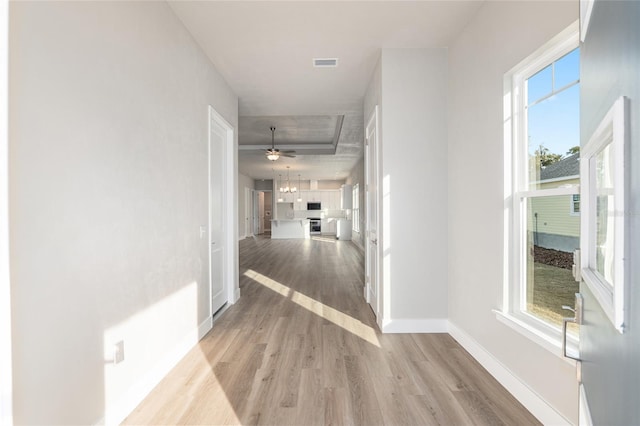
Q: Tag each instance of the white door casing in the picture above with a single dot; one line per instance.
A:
(372, 253)
(221, 201)
(248, 232)
(257, 213)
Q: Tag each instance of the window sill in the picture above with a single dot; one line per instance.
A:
(550, 343)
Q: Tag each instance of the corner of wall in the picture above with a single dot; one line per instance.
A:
(533, 402)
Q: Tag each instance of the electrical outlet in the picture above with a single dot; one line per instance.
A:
(203, 231)
(118, 352)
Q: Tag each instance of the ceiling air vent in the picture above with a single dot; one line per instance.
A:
(325, 62)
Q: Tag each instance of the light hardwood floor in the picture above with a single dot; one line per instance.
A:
(301, 347)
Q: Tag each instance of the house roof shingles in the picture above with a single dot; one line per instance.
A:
(569, 166)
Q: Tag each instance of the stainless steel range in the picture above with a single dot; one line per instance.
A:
(315, 225)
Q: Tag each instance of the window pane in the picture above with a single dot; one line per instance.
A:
(575, 203)
(552, 236)
(553, 130)
(539, 85)
(567, 69)
(604, 213)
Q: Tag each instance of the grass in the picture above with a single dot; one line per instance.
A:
(552, 288)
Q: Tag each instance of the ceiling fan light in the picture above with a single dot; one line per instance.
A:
(273, 156)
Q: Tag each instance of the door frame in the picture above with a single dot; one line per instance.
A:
(258, 212)
(378, 309)
(255, 199)
(6, 366)
(249, 230)
(230, 203)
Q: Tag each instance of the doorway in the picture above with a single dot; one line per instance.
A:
(221, 212)
(263, 209)
(372, 253)
(249, 226)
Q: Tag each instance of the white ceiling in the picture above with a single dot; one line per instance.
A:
(264, 50)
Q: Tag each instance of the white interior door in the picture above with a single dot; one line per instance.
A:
(218, 139)
(267, 207)
(261, 212)
(372, 286)
(247, 212)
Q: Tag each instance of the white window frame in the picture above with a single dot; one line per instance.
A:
(614, 131)
(516, 194)
(355, 226)
(572, 206)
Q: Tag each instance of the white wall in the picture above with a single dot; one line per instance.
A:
(410, 87)
(108, 189)
(6, 385)
(243, 182)
(373, 95)
(500, 36)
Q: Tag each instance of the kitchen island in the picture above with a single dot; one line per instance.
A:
(290, 229)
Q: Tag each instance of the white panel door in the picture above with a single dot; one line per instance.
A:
(248, 204)
(372, 287)
(217, 148)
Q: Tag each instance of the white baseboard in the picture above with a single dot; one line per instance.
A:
(236, 295)
(115, 414)
(203, 329)
(418, 325)
(523, 393)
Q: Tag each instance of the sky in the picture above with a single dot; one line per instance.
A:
(555, 122)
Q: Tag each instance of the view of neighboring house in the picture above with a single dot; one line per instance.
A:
(556, 220)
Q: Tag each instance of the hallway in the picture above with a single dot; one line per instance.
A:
(301, 347)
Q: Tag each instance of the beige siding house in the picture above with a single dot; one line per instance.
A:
(556, 219)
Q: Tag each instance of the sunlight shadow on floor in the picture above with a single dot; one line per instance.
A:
(340, 319)
(324, 239)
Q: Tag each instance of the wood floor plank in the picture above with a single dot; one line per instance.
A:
(444, 407)
(337, 407)
(311, 409)
(365, 406)
(479, 412)
(333, 352)
(301, 347)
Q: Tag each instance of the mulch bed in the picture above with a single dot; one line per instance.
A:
(560, 259)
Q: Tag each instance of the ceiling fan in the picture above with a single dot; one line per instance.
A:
(273, 154)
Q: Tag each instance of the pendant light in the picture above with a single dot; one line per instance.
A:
(288, 188)
(299, 193)
(280, 199)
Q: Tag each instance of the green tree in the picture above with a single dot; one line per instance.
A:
(573, 150)
(545, 157)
